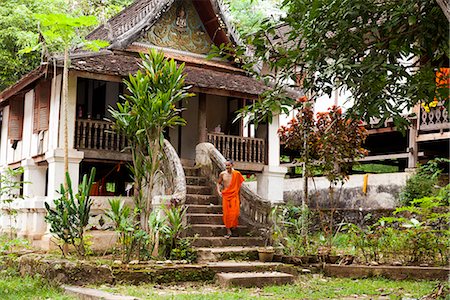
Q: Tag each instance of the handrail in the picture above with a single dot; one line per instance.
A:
(98, 135)
(239, 148)
(435, 119)
(171, 181)
(255, 211)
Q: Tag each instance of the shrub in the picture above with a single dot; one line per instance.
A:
(70, 217)
(424, 183)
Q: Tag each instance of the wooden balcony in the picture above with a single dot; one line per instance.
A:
(248, 154)
(436, 119)
(99, 141)
(433, 125)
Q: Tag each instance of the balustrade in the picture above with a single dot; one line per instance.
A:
(98, 135)
(435, 119)
(238, 148)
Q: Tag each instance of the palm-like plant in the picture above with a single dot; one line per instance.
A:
(70, 217)
(147, 111)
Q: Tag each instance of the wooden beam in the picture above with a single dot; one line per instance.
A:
(381, 130)
(22, 83)
(15, 165)
(245, 166)
(225, 93)
(103, 155)
(433, 137)
(387, 156)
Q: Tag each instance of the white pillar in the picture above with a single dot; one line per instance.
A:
(32, 223)
(55, 159)
(271, 181)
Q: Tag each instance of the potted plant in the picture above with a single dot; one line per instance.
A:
(265, 254)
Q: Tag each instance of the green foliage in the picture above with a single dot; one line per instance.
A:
(10, 191)
(247, 15)
(415, 234)
(289, 224)
(312, 286)
(164, 236)
(15, 287)
(184, 251)
(61, 30)
(69, 218)
(148, 109)
(8, 245)
(424, 182)
(375, 63)
(18, 30)
(102, 9)
(330, 143)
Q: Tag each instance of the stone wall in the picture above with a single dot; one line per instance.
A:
(382, 192)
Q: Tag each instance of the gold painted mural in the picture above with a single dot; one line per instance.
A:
(180, 28)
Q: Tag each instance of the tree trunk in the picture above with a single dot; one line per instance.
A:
(65, 100)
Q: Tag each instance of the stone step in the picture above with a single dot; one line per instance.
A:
(209, 230)
(233, 241)
(198, 189)
(212, 219)
(250, 279)
(249, 266)
(92, 294)
(204, 209)
(201, 199)
(196, 180)
(191, 171)
(227, 253)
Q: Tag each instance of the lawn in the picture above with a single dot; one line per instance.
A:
(307, 287)
(13, 287)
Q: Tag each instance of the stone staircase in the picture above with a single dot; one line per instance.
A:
(234, 257)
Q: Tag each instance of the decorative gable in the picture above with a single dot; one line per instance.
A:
(188, 25)
(179, 28)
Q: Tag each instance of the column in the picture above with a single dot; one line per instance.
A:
(271, 181)
(413, 147)
(56, 176)
(33, 223)
(202, 130)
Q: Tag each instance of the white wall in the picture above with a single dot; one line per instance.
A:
(382, 190)
(4, 138)
(53, 133)
(216, 112)
(189, 133)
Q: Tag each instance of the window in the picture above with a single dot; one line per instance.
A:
(15, 122)
(41, 106)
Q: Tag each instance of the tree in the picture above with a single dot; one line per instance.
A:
(329, 144)
(19, 29)
(385, 53)
(60, 30)
(147, 111)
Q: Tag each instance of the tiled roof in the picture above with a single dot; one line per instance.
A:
(200, 77)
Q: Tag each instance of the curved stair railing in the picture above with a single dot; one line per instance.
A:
(171, 183)
(255, 211)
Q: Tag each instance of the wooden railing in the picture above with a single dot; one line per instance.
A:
(238, 148)
(98, 135)
(435, 119)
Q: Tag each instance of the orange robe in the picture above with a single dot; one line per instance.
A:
(230, 200)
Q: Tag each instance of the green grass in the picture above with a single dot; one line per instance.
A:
(13, 287)
(306, 287)
(375, 168)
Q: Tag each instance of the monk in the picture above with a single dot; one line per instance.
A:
(231, 180)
